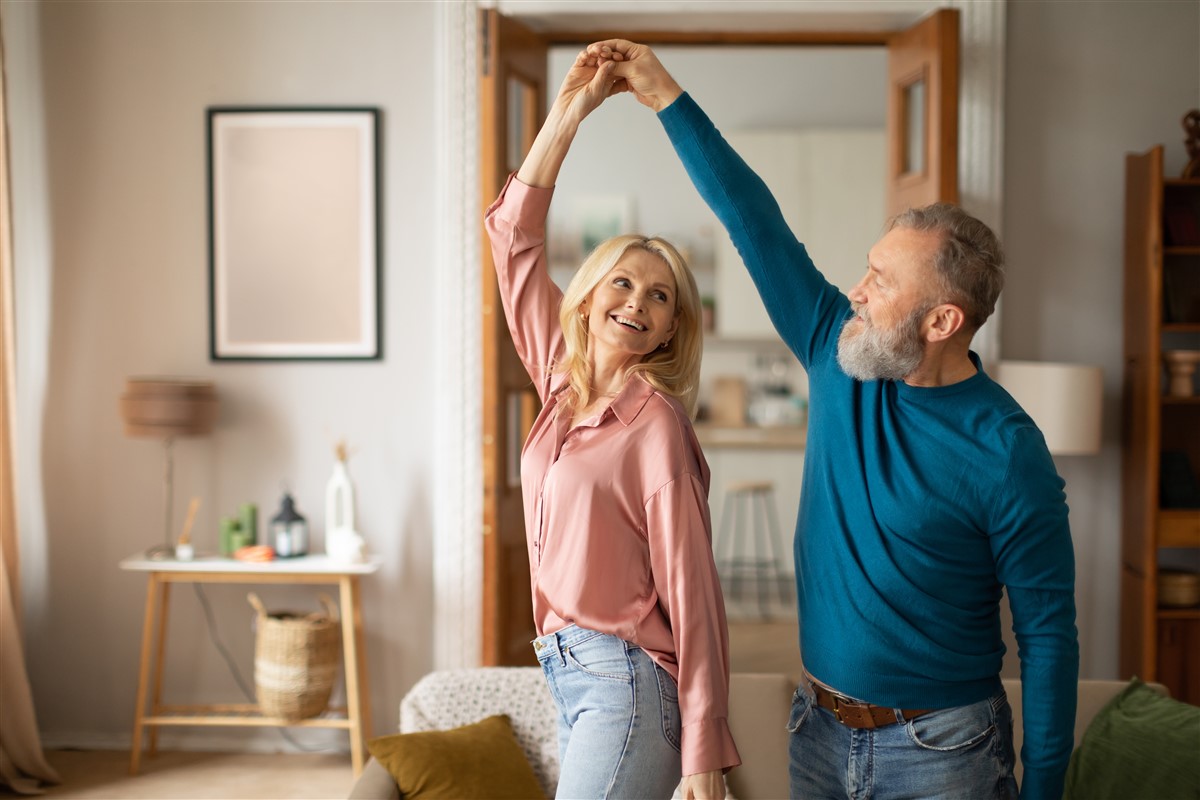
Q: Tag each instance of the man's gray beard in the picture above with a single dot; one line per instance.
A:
(874, 354)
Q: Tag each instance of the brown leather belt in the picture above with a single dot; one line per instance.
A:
(854, 714)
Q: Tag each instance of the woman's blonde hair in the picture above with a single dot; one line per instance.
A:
(674, 369)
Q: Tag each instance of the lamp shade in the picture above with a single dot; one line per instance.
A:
(165, 408)
(1064, 401)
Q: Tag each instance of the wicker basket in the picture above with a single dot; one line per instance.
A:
(1178, 589)
(295, 660)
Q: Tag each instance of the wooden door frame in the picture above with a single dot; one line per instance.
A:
(458, 486)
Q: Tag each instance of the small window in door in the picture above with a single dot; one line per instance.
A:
(915, 139)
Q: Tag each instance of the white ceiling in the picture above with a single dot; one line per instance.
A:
(718, 16)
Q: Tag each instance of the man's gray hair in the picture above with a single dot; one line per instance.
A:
(969, 264)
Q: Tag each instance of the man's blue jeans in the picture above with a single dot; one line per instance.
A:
(949, 754)
(618, 716)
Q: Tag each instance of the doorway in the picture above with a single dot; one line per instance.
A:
(458, 544)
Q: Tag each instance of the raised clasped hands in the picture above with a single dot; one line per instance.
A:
(611, 67)
(587, 84)
(637, 70)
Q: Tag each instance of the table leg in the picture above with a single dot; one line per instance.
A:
(135, 749)
(163, 613)
(357, 699)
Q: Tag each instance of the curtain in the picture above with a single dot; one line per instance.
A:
(23, 766)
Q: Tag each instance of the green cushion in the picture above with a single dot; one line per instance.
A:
(482, 760)
(1140, 745)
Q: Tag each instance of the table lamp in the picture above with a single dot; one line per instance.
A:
(166, 409)
(1063, 399)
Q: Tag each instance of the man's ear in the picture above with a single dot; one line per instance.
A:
(943, 322)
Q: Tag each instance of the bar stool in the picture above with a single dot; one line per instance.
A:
(747, 549)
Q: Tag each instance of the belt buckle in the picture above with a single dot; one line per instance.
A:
(840, 700)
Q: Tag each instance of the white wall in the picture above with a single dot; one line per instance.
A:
(1087, 83)
(123, 276)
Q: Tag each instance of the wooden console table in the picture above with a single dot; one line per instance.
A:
(355, 718)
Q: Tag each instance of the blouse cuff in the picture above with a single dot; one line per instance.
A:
(525, 205)
(707, 746)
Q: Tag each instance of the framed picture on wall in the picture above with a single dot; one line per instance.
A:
(294, 242)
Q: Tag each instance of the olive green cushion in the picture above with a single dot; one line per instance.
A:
(1140, 745)
(482, 760)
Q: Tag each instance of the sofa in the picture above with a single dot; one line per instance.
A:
(759, 707)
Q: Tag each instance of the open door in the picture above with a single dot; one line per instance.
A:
(922, 117)
(512, 93)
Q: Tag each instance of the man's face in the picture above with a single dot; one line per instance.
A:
(885, 339)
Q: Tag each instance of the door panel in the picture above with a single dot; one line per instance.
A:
(922, 117)
(512, 95)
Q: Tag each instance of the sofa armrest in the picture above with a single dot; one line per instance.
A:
(375, 783)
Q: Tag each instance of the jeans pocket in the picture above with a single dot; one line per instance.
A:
(952, 729)
(668, 693)
(801, 706)
(601, 656)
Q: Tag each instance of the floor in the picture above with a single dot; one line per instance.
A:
(756, 645)
(202, 776)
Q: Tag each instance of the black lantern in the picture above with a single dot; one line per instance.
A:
(289, 530)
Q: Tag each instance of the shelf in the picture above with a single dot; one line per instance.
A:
(1179, 527)
(242, 715)
(1181, 250)
(1179, 613)
(1169, 400)
(792, 437)
(1181, 327)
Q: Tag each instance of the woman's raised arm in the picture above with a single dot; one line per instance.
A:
(584, 88)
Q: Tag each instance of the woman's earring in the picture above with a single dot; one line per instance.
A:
(664, 345)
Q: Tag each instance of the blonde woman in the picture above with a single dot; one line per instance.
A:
(630, 620)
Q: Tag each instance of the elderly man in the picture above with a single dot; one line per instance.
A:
(927, 491)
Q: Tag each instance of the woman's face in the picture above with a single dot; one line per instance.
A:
(632, 310)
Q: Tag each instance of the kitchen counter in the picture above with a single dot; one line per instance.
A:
(791, 437)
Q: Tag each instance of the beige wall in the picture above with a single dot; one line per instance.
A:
(1086, 83)
(111, 244)
(123, 275)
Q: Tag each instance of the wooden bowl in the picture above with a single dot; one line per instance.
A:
(1178, 589)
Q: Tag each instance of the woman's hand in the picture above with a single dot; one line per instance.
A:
(587, 84)
(703, 786)
(639, 70)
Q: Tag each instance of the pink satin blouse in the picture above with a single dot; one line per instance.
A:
(616, 509)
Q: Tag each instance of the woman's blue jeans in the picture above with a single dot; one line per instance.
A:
(618, 716)
(949, 754)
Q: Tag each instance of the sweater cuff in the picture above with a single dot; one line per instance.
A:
(525, 205)
(1042, 784)
(679, 112)
(708, 745)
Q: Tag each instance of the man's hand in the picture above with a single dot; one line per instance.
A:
(643, 73)
(703, 786)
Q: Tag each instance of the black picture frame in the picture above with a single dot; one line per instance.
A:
(294, 234)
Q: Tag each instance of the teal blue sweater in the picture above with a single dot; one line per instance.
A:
(919, 505)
